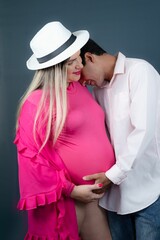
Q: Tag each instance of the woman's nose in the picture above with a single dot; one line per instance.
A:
(79, 63)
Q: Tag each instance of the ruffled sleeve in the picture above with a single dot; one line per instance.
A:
(44, 185)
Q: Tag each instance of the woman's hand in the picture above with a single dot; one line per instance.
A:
(85, 193)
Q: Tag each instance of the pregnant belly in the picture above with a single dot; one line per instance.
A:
(80, 163)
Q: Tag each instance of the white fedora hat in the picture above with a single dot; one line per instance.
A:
(53, 44)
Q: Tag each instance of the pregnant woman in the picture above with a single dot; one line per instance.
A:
(60, 138)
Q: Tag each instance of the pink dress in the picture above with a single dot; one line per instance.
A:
(46, 179)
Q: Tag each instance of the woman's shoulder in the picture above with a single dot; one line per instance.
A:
(35, 97)
(31, 103)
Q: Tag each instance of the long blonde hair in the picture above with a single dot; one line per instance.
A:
(53, 82)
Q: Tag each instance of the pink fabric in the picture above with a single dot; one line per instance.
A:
(83, 144)
(45, 180)
(44, 185)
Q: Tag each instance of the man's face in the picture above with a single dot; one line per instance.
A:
(92, 74)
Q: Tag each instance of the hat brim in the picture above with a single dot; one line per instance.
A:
(82, 37)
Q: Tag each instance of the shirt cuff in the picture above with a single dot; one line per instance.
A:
(116, 175)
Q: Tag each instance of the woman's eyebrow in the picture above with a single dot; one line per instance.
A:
(71, 60)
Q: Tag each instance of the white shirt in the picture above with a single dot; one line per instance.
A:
(131, 101)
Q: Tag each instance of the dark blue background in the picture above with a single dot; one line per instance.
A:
(131, 27)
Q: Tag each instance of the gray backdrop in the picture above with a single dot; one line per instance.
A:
(118, 25)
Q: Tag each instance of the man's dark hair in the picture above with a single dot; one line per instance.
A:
(91, 47)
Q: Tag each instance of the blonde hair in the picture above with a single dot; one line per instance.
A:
(53, 82)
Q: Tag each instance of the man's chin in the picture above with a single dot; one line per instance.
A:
(91, 83)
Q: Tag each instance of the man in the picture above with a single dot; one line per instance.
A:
(128, 90)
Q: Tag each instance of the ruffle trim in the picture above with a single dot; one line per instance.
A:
(46, 198)
(30, 236)
(33, 237)
(21, 147)
(39, 200)
(33, 156)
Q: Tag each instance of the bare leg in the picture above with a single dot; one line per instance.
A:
(95, 224)
(80, 212)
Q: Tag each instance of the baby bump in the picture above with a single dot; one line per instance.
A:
(80, 164)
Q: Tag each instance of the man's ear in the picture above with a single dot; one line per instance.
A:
(89, 57)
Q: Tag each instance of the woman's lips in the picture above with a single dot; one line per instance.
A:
(77, 73)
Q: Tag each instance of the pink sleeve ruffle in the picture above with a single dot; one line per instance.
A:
(38, 200)
(40, 181)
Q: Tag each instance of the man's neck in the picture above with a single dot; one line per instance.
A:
(109, 62)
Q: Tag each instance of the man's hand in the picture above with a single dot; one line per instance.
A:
(99, 178)
(86, 193)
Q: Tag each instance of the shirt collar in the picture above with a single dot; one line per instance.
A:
(119, 68)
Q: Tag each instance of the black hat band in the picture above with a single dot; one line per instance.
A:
(58, 50)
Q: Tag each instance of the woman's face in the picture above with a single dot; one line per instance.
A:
(74, 66)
